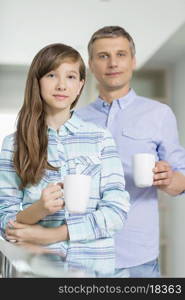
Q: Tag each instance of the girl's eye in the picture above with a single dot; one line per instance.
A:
(51, 75)
(72, 77)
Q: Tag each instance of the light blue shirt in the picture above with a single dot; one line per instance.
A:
(78, 148)
(139, 124)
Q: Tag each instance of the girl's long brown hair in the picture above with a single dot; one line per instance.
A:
(31, 139)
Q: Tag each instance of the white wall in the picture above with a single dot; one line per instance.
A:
(7, 125)
(177, 204)
(26, 26)
(12, 82)
(178, 94)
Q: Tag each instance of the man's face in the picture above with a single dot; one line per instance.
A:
(112, 63)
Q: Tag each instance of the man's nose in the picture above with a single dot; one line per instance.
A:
(113, 62)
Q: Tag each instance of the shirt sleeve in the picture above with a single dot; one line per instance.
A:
(169, 148)
(10, 195)
(113, 205)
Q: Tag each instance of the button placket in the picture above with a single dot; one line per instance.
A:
(61, 149)
(112, 113)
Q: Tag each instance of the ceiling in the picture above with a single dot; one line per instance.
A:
(27, 26)
(169, 53)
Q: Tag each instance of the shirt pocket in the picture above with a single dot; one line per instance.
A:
(87, 164)
(141, 140)
(137, 133)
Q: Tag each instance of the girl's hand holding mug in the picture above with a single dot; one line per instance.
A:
(51, 198)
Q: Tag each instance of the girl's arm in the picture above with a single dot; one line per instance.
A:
(36, 234)
(49, 203)
(11, 196)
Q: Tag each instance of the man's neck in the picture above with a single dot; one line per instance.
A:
(110, 96)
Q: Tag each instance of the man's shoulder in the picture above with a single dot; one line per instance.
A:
(153, 105)
(89, 108)
(88, 125)
(151, 102)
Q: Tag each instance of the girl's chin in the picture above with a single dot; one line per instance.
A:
(59, 108)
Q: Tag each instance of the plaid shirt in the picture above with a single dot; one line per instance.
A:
(77, 148)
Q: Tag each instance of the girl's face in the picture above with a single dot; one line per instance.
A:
(60, 87)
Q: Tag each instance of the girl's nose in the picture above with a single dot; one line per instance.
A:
(61, 85)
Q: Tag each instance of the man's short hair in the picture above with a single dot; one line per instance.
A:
(111, 32)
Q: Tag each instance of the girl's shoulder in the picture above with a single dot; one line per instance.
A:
(8, 142)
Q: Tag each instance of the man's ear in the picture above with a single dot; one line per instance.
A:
(134, 63)
(90, 65)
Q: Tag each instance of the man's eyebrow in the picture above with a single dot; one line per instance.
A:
(102, 52)
(107, 52)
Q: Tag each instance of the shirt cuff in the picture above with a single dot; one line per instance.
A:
(78, 227)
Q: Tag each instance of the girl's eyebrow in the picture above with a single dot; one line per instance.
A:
(73, 71)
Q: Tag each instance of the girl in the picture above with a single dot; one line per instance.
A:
(51, 142)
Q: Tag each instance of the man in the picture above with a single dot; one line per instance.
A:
(137, 124)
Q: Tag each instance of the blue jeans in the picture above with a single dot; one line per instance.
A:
(149, 269)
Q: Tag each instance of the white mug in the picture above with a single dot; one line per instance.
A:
(77, 192)
(143, 163)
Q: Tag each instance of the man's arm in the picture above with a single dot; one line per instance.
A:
(171, 165)
(167, 180)
(177, 185)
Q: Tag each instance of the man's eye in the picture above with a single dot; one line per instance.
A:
(121, 54)
(103, 56)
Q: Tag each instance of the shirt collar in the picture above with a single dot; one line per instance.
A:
(72, 125)
(122, 102)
